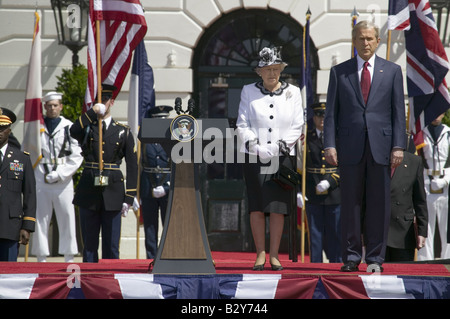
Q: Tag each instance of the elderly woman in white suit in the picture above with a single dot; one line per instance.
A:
(270, 117)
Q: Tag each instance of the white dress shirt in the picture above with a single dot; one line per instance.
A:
(370, 67)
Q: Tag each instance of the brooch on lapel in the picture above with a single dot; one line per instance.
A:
(288, 95)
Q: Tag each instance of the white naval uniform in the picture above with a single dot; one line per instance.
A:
(436, 157)
(270, 117)
(56, 196)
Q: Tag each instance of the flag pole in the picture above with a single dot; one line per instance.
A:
(36, 27)
(99, 100)
(305, 130)
(388, 49)
(138, 197)
(355, 15)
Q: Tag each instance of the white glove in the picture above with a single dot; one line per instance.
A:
(437, 184)
(125, 208)
(101, 108)
(265, 151)
(322, 186)
(158, 192)
(136, 204)
(52, 177)
(300, 200)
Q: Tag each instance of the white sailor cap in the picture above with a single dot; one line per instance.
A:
(52, 96)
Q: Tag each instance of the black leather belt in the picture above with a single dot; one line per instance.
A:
(157, 170)
(323, 170)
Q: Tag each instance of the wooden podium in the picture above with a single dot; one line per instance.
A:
(184, 246)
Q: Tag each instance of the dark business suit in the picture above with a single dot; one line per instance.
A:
(364, 136)
(408, 201)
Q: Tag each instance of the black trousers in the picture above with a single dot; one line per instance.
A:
(399, 255)
(365, 208)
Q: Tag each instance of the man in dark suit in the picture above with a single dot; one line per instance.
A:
(154, 188)
(102, 198)
(409, 203)
(17, 193)
(365, 135)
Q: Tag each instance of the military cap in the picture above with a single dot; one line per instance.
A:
(318, 109)
(7, 117)
(159, 111)
(52, 96)
(107, 91)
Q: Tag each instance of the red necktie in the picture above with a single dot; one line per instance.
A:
(365, 82)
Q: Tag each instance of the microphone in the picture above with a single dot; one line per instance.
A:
(178, 105)
(191, 106)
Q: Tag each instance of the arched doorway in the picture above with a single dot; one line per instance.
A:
(223, 62)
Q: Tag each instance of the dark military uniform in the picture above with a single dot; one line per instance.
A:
(156, 172)
(322, 209)
(106, 201)
(317, 169)
(17, 196)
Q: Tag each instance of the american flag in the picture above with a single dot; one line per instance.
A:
(427, 63)
(122, 27)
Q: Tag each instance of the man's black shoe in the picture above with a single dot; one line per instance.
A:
(349, 267)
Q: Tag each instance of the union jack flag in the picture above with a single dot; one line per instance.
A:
(122, 27)
(398, 18)
(427, 62)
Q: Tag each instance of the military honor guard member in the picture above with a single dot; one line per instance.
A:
(103, 198)
(61, 158)
(17, 193)
(323, 208)
(155, 185)
(436, 160)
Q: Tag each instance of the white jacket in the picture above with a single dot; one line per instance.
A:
(51, 145)
(437, 155)
(270, 117)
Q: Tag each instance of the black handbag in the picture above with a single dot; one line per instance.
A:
(286, 177)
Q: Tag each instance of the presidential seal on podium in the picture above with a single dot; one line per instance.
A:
(184, 128)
